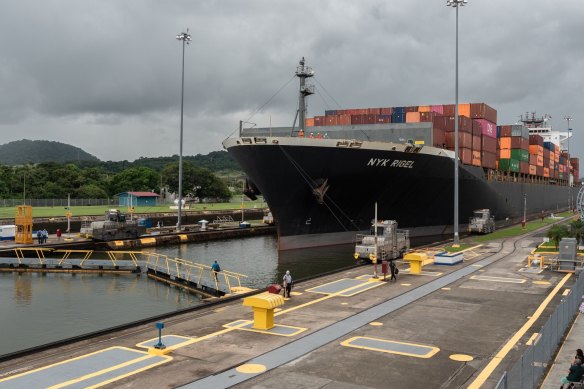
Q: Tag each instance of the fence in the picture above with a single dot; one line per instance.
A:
(57, 202)
(529, 369)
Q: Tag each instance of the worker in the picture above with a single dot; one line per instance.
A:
(301, 133)
(312, 135)
(216, 269)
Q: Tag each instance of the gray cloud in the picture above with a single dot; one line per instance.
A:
(105, 75)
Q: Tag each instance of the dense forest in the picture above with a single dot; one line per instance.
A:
(204, 176)
(26, 151)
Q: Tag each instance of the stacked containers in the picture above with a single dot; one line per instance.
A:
(535, 155)
(575, 165)
(514, 148)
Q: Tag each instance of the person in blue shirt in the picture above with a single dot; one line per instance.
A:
(216, 269)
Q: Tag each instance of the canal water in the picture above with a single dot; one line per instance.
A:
(38, 308)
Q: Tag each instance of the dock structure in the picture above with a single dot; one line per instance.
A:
(471, 324)
(183, 273)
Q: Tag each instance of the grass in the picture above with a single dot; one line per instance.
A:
(517, 230)
(462, 246)
(98, 210)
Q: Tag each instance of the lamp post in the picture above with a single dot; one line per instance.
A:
(186, 39)
(568, 119)
(456, 4)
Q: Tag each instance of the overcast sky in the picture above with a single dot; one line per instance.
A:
(105, 75)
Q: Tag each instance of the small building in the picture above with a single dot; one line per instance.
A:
(137, 199)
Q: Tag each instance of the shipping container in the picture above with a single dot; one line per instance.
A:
(398, 110)
(513, 142)
(357, 119)
(536, 140)
(397, 117)
(319, 120)
(539, 170)
(532, 170)
(465, 155)
(489, 160)
(464, 110)
(546, 171)
(525, 144)
(437, 108)
(386, 111)
(374, 111)
(504, 153)
(504, 131)
(330, 112)
(523, 167)
(509, 165)
(412, 117)
(448, 109)
(476, 143)
(483, 111)
(539, 161)
(424, 108)
(476, 158)
(309, 122)
(464, 140)
(344, 120)
(413, 108)
(331, 120)
(549, 146)
(535, 149)
(575, 162)
(438, 138)
(428, 116)
(383, 119)
(532, 159)
(520, 154)
(485, 127)
(447, 123)
(519, 130)
(488, 144)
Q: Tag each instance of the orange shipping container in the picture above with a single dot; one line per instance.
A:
(504, 153)
(532, 170)
(412, 117)
(505, 142)
(476, 158)
(552, 156)
(464, 110)
(424, 108)
(546, 172)
(536, 150)
(309, 122)
(344, 120)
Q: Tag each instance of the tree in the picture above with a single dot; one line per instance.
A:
(557, 232)
(197, 182)
(91, 191)
(135, 179)
(577, 230)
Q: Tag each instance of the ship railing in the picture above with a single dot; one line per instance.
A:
(37, 256)
(198, 274)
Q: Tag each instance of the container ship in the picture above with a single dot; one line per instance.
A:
(322, 178)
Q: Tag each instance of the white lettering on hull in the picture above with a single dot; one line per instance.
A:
(385, 162)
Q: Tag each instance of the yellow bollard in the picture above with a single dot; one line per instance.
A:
(416, 261)
(263, 309)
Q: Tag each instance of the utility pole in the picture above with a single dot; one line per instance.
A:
(569, 119)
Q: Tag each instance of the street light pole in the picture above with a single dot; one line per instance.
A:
(186, 39)
(568, 119)
(456, 4)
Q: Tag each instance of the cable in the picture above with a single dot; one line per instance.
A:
(328, 94)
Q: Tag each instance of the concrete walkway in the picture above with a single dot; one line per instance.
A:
(574, 340)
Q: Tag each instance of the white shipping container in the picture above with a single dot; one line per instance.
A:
(7, 232)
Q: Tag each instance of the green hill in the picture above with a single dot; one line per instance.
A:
(25, 151)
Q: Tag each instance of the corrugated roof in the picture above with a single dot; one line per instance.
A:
(140, 194)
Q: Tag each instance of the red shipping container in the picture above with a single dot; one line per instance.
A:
(427, 116)
(356, 119)
(524, 143)
(488, 144)
(383, 119)
(386, 111)
(369, 119)
(437, 108)
(486, 127)
(319, 120)
(411, 109)
(546, 172)
(575, 162)
(447, 123)
(539, 171)
(483, 111)
(546, 154)
(362, 111)
(536, 140)
(539, 161)
(476, 143)
(489, 160)
(524, 167)
(476, 158)
(510, 142)
(505, 131)
(448, 109)
(374, 111)
(331, 120)
(465, 155)
(344, 120)
(464, 140)
(438, 138)
(532, 159)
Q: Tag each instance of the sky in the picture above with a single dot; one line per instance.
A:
(105, 75)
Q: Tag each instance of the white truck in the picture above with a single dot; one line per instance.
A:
(482, 222)
(388, 243)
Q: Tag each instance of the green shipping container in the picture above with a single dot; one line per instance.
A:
(509, 165)
(520, 155)
(561, 176)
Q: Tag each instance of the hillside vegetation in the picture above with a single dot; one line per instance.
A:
(22, 152)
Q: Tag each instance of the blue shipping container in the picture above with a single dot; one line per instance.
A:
(330, 112)
(399, 110)
(398, 117)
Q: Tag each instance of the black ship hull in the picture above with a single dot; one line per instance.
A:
(323, 191)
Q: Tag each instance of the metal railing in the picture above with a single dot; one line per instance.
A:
(528, 371)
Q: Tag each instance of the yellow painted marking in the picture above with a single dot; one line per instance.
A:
(499, 279)
(121, 376)
(541, 282)
(406, 284)
(432, 350)
(251, 368)
(445, 288)
(532, 339)
(183, 237)
(147, 343)
(277, 309)
(375, 324)
(566, 292)
(344, 303)
(296, 293)
(247, 322)
(148, 240)
(475, 265)
(219, 309)
(374, 284)
(461, 357)
(119, 243)
(492, 365)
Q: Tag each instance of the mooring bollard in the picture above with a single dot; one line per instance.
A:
(159, 345)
